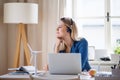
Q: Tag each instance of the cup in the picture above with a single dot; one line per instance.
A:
(116, 72)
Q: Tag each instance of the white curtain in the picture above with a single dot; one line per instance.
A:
(52, 11)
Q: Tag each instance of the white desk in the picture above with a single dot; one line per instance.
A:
(14, 77)
(102, 65)
(46, 76)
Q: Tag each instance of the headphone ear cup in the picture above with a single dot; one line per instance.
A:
(68, 30)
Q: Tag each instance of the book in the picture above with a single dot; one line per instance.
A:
(27, 69)
(24, 69)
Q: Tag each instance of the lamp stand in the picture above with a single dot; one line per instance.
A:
(21, 36)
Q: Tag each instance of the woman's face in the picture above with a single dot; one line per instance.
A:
(61, 30)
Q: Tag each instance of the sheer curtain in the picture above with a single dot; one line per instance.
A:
(51, 14)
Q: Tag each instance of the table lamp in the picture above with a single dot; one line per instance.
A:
(21, 14)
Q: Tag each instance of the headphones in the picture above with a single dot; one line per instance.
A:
(69, 30)
(71, 23)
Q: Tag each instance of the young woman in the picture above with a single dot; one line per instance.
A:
(67, 41)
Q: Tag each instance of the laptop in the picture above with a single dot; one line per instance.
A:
(66, 63)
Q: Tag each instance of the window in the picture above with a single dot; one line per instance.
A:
(115, 21)
(97, 20)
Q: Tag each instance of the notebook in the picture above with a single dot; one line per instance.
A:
(64, 63)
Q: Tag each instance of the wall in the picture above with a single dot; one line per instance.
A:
(3, 41)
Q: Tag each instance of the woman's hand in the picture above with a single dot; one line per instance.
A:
(57, 45)
(58, 41)
(45, 67)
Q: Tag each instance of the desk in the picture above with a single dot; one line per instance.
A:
(14, 77)
(102, 65)
(46, 76)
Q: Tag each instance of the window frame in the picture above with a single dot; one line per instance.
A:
(107, 24)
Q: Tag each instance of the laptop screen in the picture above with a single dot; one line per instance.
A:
(66, 63)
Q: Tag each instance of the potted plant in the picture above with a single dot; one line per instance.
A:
(117, 50)
(116, 56)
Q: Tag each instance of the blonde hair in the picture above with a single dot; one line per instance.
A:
(72, 26)
(73, 31)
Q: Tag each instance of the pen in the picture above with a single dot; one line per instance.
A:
(118, 64)
(112, 67)
(115, 66)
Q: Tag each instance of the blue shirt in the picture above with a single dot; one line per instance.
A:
(82, 48)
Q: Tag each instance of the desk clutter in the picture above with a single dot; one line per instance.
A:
(23, 70)
(114, 75)
(107, 78)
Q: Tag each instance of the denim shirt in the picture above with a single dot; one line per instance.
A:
(82, 48)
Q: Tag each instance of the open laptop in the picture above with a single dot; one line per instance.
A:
(66, 63)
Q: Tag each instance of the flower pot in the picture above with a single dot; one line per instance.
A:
(116, 72)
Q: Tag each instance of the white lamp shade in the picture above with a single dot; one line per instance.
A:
(26, 13)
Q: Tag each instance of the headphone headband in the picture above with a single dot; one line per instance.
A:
(71, 21)
(65, 20)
